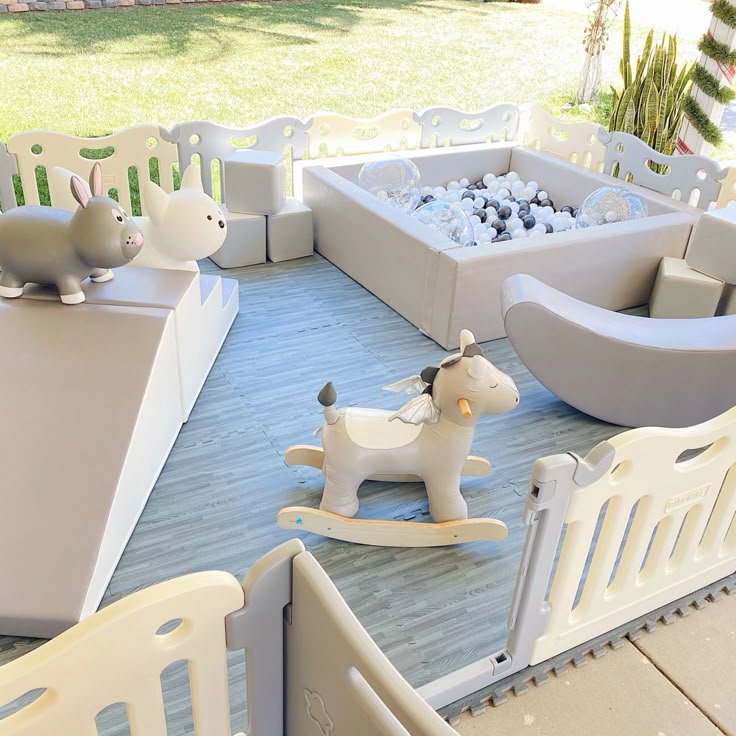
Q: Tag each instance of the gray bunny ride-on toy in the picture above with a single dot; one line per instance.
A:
(46, 245)
(430, 442)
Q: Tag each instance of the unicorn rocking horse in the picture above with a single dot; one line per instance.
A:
(429, 442)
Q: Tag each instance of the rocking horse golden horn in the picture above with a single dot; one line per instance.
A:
(430, 442)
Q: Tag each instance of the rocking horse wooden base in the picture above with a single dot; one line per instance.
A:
(314, 457)
(380, 533)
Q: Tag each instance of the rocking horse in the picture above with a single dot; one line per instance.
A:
(429, 442)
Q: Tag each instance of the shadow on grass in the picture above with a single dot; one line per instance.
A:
(174, 31)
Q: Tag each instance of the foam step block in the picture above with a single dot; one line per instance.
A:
(682, 292)
(728, 302)
(245, 243)
(712, 249)
(255, 182)
(289, 233)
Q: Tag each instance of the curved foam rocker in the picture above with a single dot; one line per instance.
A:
(627, 370)
(46, 245)
(430, 442)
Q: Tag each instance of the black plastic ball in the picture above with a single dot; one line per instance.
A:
(567, 208)
(547, 203)
(468, 195)
(504, 212)
(529, 222)
(492, 203)
(499, 226)
(504, 236)
(534, 200)
(481, 214)
(548, 228)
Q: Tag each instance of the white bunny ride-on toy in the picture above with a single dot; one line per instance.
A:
(430, 442)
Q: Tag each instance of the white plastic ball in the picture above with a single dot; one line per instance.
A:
(467, 204)
(464, 182)
(453, 185)
(503, 193)
(542, 195)
(517, 234)
(475, 220)
(514, 224)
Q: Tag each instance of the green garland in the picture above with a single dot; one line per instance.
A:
(702, 122)
(710, 85)
(717, 51)
(721, 53)
(725, 12)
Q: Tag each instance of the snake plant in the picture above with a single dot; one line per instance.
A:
(651, 103)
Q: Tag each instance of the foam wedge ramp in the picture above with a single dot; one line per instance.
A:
(93, 410)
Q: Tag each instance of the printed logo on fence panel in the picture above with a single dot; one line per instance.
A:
(685, 499)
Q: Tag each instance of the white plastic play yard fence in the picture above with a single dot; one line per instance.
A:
(643, 521)
(150, 150)
(662, 502)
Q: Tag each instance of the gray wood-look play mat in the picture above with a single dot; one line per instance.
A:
(146, 429)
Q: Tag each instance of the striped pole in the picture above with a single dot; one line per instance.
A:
(713, 76)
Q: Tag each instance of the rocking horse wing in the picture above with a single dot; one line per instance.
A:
(420, 410)
(410, 385)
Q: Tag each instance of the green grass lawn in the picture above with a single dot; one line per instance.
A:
(96, 71)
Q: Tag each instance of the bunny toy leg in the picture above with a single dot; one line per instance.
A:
(70, 290)
(100, 275)
(10, 286)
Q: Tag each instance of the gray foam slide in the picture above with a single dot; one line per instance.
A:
(627, 370)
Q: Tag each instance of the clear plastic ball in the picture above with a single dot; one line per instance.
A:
(610, 204)
(449, 219)
(397, 177)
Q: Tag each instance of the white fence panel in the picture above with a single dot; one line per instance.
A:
(117, 656)
(667, 530)
(332, 134)
(445, 126)
(208, 144)
(692, 179)
(575, 142)
(128, 151)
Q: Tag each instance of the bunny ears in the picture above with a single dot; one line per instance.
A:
(80, 191)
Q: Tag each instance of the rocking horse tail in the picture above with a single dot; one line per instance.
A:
(327, 397)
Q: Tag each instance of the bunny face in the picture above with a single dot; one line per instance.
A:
(103, 234)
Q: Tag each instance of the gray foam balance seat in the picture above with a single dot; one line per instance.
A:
(91, 418)
(627, 370)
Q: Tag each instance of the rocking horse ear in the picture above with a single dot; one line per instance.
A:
(472, 350)
(466, 338)
(429, 374)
